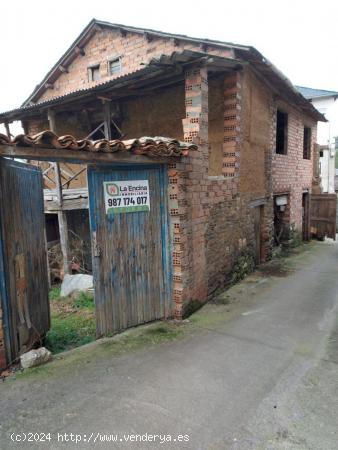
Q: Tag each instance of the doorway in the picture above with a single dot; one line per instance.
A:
(306, 216)
(257, 215)
(130, 245)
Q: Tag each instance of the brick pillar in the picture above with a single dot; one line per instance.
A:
(192, 213)
(232, 128)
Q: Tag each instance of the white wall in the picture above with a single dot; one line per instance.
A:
(326, 132)
(327, 170)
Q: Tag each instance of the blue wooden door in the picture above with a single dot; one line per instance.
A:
(23, 265)
(130, 248)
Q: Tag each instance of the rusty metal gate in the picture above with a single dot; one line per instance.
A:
(323, 215)
(131, 246)
(23, 264)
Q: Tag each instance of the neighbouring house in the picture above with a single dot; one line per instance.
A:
(327, 132)
(241, 190)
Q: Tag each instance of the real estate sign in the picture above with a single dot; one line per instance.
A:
(126, 196)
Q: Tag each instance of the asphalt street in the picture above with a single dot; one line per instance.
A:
(257, 372)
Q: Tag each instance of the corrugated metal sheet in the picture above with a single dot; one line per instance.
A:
(310, 93)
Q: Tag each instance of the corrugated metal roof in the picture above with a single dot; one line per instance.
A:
(310, 93)
(150, 146)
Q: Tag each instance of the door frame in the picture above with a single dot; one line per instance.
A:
(5, 303)
(306, 216)
(167, 245)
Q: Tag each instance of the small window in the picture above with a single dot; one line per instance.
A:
(321, 153)
(282, 133)
(94, 73)
(307, 143)
(114, 66)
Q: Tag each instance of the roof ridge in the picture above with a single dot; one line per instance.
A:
(95, 22)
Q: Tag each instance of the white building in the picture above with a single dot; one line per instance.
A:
(325, 102)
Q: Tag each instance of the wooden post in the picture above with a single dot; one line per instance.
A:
(107, 120)
(8, 132)
(62, 218)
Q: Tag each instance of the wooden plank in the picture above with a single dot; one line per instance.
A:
(26, 276)
(129, 274)
(323, 214)
(62, 218)
(107, 120)
(67, 205)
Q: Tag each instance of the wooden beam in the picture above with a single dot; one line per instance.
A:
(94, 131)
(51, 206)
(107, 120)
(80, 156)
(79, 51)
(74, 176)
(8, 132)
(62, 218)
(104, 98)
(175, 41)
(63, 69)
(149, 37)
(123, 32)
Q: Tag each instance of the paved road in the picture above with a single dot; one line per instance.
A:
(262, 375)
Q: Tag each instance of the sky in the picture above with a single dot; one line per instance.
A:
(300, 37)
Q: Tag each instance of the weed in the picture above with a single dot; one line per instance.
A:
(72, 321)
(222, 299)
(244, 265)
(54, 293)
(191, 307)
(84, 300)
(69, 332)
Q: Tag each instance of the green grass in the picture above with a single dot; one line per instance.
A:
(72, 321)
(85, 300)
(54, 293)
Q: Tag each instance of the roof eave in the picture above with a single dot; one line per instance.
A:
(86, 34)
(71, 49)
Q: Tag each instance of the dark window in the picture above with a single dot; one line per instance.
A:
(94, 73)
(321, 153)
(282, 133)
(115, 66)
(307, 143)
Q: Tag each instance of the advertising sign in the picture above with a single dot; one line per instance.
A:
(126, 196)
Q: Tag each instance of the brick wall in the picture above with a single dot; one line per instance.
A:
(212, 222)
(211, 191)
(291, 173)
(134, 49)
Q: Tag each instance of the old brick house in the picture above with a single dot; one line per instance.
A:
(255, 135)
